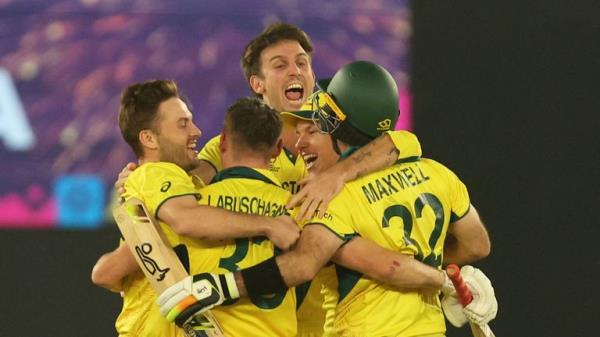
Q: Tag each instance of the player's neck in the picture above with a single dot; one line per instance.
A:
(148, 158)
(289, 138)
(247, 160)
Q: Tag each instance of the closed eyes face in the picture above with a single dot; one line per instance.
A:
(315, 147)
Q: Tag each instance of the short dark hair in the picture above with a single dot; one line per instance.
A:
(139, 109)
(272, 34)
(253, 125)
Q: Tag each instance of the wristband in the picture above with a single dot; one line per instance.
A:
(263, 279)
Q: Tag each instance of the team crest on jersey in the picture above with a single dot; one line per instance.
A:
(384, 125)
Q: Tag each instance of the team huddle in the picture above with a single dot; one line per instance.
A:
(307, 216)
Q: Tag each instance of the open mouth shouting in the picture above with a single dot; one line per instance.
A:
(294, 92)
(310, 159)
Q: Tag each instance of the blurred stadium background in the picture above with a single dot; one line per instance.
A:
(69, 61)
(494, 91)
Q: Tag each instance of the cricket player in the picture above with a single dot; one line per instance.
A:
(317, 149)
(413, 204)
(158, 126)
(250, 139)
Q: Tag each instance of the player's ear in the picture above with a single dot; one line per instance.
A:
(222, 142)
(257, 84)
(148, 139)
(278, 148)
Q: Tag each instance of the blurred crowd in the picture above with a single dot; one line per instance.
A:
(69, 61)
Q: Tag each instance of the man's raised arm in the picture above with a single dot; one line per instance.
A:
(319, 189)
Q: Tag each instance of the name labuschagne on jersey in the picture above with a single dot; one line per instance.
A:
(247, 204)
(398, 179)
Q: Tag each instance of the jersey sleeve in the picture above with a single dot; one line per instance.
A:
(155, 183)
(211, 153)
(459, 197)
(337, 218)
(406, 143)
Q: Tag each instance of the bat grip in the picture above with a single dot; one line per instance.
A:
(464, 294)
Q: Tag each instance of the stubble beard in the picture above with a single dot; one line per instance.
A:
(177, 155)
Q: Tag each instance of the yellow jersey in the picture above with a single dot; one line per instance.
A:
(406, 143)
(152, 183)
(253, 191)
(287, 167)
(406, 208)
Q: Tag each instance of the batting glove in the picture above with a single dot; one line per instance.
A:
(453, 309)
(195, 294)
(484, 306)
(482, 309)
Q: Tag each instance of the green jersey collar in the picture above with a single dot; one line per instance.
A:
(247, 173)
(290, 155)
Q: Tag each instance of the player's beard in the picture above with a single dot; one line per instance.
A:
(177, 154)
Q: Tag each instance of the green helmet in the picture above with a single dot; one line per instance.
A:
(367, 96)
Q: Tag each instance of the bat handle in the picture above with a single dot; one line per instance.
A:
(465, 297)
(464, 294)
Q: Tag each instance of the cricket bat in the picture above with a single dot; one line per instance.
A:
(465, 296)
(158, 260)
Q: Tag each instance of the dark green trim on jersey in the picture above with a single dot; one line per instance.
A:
(301, 292)
(290, 155)
(241, 250)
(345, 237)
(347, 279)
(184, 257)
(196, 195)
(455, 217)
(408, 160)
(241, 172)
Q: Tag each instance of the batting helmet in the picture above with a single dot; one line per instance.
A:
(362, 95)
